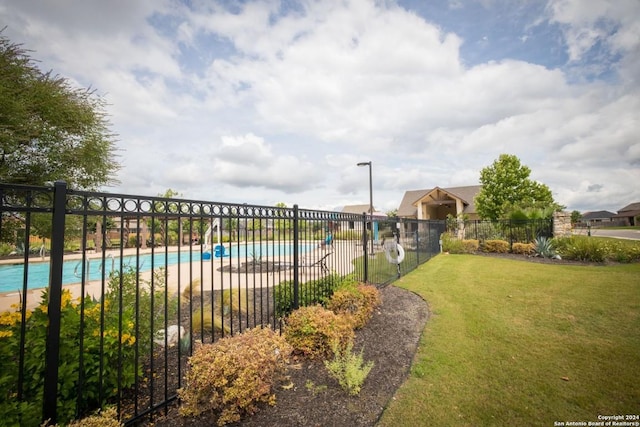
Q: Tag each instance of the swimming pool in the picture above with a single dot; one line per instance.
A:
(12, 275)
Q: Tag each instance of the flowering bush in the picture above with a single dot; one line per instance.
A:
(103, 348)
(97, 354)
(593, 249)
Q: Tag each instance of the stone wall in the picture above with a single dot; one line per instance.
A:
(561, 224)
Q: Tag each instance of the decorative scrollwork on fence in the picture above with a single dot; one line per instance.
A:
(89, 203)
(21, 197)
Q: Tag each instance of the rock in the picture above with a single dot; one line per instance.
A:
(174, 333)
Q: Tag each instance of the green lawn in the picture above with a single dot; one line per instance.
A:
(518, 343)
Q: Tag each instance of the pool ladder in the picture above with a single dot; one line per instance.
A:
(88, 265)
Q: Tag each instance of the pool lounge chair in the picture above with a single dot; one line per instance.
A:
(311, 262)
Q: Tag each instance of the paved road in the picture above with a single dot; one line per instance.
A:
(604, 232)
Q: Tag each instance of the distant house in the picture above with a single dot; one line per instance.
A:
(629, 214)
(437, 203)
(360, 209)
(597, 217)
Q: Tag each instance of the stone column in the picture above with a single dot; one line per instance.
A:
(561, 224)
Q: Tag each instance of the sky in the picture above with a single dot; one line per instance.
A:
(266, 102)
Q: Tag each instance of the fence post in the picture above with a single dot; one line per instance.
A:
(296, 281)
(365, 244)
(50, 400)
(417, 235)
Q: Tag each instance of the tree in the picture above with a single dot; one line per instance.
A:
(50, 130)
(168, 229)
(575, 217)
(281, 224)
(506, 187)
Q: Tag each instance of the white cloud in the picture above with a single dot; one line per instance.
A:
(247, 161)
(266, 104)
(612, 23)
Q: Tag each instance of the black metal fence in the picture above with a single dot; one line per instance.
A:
(512, 231)
(107, 306)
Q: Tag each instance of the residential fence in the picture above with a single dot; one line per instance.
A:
(107, 304)
(512, 231)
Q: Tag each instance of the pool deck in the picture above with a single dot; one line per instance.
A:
(180, 276)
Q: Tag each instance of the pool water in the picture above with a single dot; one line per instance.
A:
(12, 275)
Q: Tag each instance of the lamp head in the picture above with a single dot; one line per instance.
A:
(364, 164)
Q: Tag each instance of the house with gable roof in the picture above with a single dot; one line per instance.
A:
(597, 217)
(360, 209)
(629, 214)
(437, 203)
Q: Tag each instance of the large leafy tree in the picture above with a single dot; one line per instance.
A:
(50, 130)
(575, 217)
(506, 186)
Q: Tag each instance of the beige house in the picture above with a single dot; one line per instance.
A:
(360, 209)
(437, 203)
(628, 214)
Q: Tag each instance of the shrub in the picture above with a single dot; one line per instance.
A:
(355, 302)
(152, 307)
(456, 246)
(348, 368)
(207, 320)
(193, 289)
(235, 300)
(310, 293)
(523, 248)
(347, 235)
(451, 244)
(484, 230)
(470, 246)
(109, 343)
(234, 374)
(215, 317)
(117, 345)
(371, 295)
(582, 248)
(132, 241)
(105, 418)
(544, 247)
(625, 252)
(313, 330)
(496, 246)
(5, 249)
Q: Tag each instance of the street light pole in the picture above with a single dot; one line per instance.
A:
(370, 198)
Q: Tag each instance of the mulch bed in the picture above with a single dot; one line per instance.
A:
(541, 260)
(389, 340)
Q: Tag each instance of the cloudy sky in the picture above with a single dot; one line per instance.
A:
(276, 101)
